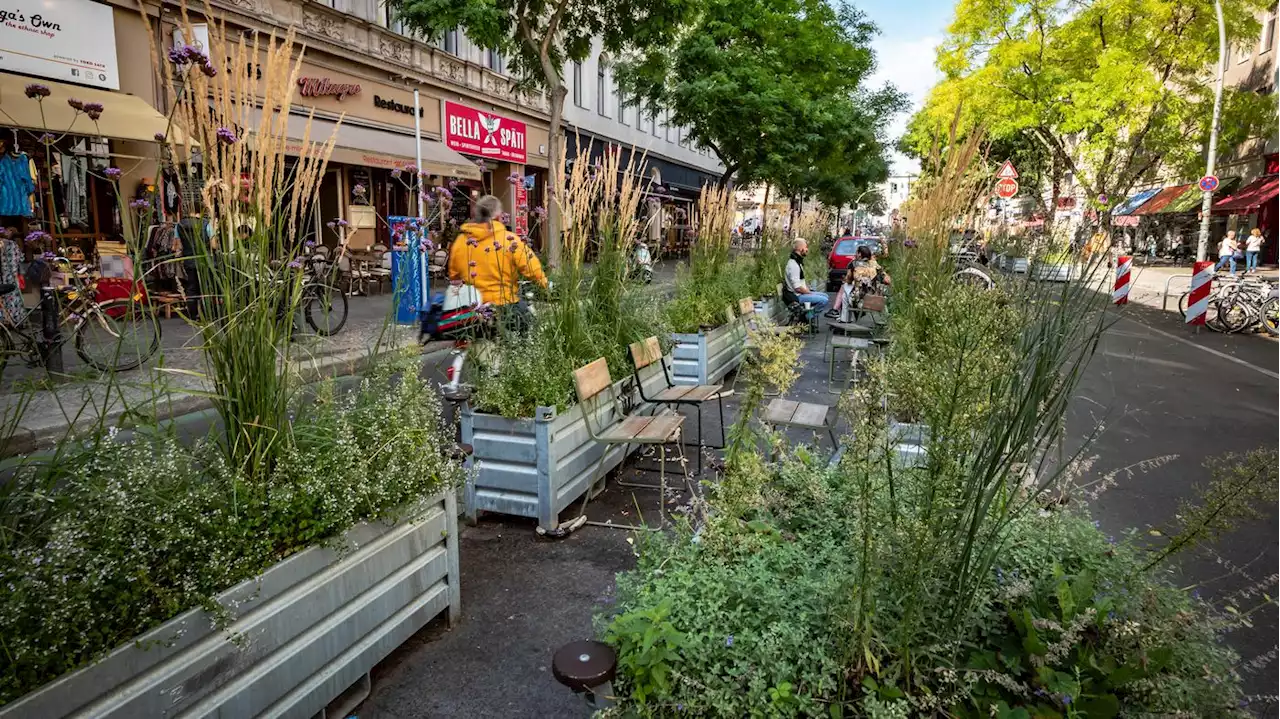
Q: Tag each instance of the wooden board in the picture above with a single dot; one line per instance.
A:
(779, 411)
(645, 353)
(660, 429)
(673, 394)
(592, 379)
(810, 415)
(746, 307)
(702, 392)
(857, 343)
(626, 430)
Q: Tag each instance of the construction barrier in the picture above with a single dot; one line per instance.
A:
(1124, 272)
(1201, 284)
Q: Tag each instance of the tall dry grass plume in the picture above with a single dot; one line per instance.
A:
(713, 230)
(243, 148)
(946, 198)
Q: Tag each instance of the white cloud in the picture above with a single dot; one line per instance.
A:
(909, 66)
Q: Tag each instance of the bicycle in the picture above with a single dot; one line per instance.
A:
(1243, 305)
(101, 330)
(1211, 315)
(323, 305)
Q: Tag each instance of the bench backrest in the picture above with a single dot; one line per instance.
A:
(591, 380)
(746, 307)
(729, 315)
(645, 352)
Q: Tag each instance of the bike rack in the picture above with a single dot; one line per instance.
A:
(1164, 301)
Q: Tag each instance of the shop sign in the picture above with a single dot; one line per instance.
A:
(67, 40)
(522, 211)
(323, 87)
(384, 103)
(473, 132)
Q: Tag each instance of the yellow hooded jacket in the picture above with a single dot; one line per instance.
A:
(493, 260)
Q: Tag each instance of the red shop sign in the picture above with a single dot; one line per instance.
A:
(473, 132)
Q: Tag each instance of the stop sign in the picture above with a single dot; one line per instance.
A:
(1006, 188)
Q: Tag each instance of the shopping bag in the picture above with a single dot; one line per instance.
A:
(458, 296)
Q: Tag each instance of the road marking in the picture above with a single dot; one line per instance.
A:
(1210, 350)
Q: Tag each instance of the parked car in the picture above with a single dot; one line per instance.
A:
(843, 254)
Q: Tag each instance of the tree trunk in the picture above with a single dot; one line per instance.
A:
(728, 175)
(555, 158)
(764, 210)
(1055, 170)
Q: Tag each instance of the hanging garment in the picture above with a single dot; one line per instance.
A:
(171, 194)
(12, 312)
(74, 187)
(16, 185)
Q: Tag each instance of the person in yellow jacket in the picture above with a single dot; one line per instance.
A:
(488, 257)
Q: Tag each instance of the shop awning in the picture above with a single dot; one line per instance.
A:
(371, 147)
(1134, 202)
(124, 117)
(1191, 200)
(1250, 197)
(1161, 200)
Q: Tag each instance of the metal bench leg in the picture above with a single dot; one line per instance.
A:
(720, 402)
(698, 446)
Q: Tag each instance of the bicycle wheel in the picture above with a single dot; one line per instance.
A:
(974, 277)
(1235, 314)
(1271, 316)
(326, 309)
(117, 335)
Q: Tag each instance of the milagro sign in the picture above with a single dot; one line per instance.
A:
(68, 40)
(473, 132)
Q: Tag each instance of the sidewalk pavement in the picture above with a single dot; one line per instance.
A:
(174, 382)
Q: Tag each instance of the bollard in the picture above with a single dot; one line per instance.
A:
(51, 330)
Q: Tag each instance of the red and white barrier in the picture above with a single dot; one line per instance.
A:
(1124, 272)
(1198, 301)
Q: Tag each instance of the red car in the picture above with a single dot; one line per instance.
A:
(842, 255)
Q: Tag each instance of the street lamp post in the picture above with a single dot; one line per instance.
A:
(1206, 206)
(856, 204)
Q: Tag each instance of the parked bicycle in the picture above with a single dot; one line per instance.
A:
(116, 335)
(324, 305)
(1237, 304)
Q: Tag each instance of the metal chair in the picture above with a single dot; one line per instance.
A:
(594, 387)
(643, 355)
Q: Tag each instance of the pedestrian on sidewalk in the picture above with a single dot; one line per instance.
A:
(1252, 247)
(1227, 252)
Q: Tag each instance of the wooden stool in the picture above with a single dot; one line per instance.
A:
(807, 415)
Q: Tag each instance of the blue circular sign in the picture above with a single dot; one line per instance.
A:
(1208, 183)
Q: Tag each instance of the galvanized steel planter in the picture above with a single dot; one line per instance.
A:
(1053, 272)
(303, 633)
(772, 308)
(706, 357)
(1018, 265)
(537, 466)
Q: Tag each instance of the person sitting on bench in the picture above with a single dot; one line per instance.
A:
(794, 288)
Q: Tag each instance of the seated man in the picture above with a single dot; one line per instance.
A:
(794, 288)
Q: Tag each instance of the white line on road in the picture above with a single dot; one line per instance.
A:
(1210, 350)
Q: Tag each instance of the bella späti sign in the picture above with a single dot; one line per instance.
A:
(473, 132)
(66, 40)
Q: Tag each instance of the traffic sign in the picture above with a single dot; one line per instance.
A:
(1006, 171)
(1006, 188)
(1102, 199)
(1208, 183)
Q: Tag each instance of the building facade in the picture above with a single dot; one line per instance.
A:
(598, 116)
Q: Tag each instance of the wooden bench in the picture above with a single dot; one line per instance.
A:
(594, 386)
(806, 415)
(647, 353)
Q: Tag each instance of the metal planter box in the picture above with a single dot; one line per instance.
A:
(706, 357)
(1017, 265)
(772, 308)
(537, 466)
(1053, 272)
(910, 443)
(303, 633)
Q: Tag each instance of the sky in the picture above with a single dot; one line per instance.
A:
(909, 32)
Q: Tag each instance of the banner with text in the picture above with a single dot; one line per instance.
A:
(67, 40)
(473, 132)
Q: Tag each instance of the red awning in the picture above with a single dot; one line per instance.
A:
(1162, 198)
(1250, 197)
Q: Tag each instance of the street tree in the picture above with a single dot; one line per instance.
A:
(775, 88)
(539, 37)
(1114, 92)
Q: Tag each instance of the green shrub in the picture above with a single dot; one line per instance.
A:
(145, 529)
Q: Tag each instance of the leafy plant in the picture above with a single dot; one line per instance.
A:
(648, 646)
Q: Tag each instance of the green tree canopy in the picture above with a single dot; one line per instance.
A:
(1115, 92)
(775, 89)
(537, 38)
